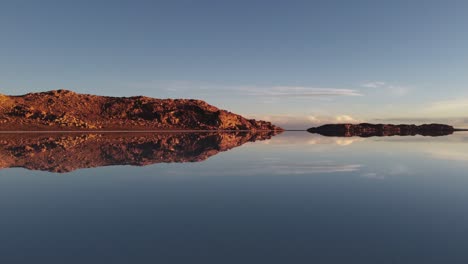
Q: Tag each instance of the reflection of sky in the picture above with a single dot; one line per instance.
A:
(365, 202)
(308, 154)
(302, 153)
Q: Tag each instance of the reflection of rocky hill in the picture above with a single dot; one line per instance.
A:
(64, 110)
(380, 130)
(68, 152)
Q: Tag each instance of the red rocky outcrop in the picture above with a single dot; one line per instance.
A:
(66, 110)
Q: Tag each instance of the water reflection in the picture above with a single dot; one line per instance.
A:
(68, 152)
(295, 198)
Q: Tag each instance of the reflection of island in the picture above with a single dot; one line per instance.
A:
(380, 130)
(68, 152)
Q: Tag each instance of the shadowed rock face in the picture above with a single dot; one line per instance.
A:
(69, 152)
(381, 130)
(66, 110)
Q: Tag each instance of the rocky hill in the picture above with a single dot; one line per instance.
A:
(370, 130)
(68, 152)
(66, 110)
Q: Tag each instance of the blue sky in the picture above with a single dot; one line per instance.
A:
(297, 63)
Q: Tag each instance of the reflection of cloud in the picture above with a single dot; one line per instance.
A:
(320, 140)
(284, 166)
(397, 170)
(373, 175)
(457, 137)
(345, 141)
(303, 138)
(275, 166)
(307, 168)
(447, 154)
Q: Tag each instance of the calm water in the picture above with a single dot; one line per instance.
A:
(295, 198)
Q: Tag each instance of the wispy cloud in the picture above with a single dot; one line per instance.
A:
(397, 90)
(345, 119)
(213, 89)
(374, 84)
(319, 120)
(454, 106)
(306, 121)
(299, 91)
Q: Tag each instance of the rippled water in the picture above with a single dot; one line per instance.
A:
(233, 198)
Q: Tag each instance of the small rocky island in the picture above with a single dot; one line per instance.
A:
(381, 130)
(63, 110)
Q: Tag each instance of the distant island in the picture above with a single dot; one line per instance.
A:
(381, 130)
(63, 110)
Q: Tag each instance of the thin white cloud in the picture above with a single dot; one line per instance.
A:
(300, 91)
(454, 107)
(306, 121)
(345, 119)
(397, 90)
(320, 120)
(275, 91)
(374, 84)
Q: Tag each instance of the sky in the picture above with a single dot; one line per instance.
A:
(295, 63)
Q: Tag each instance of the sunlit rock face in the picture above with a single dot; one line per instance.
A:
(66, 110)
(72, 151)
(381, 130)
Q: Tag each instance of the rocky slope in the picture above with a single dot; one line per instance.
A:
(369, 130)
(68, 152)
(66, 110)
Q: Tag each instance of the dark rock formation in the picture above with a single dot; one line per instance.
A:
(68, 152)
(66, 110)
(380, 130)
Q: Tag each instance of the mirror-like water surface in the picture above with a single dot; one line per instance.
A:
(233, 198)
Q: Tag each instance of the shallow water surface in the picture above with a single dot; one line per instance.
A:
(233, 198)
